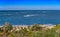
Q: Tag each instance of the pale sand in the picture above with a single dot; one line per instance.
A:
(44, 25)
(47, 26)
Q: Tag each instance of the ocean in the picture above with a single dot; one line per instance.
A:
(29, 17)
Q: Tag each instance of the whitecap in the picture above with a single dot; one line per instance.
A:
(30, 15)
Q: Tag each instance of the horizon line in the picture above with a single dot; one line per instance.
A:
(34, 9)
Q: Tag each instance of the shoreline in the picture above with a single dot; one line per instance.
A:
(34, 24)
(26, 26)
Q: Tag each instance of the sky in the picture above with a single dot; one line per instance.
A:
(29, 4)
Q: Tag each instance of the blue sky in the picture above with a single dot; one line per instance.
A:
(30, 4)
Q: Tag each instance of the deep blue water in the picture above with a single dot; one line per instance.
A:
(28, 17)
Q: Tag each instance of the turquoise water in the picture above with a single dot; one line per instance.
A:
(29, 17)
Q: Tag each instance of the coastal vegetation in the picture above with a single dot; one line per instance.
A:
(30, 31)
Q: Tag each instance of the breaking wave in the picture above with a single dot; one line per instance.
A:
(31, 15)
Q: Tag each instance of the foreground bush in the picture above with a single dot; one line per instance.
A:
(34, 31)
